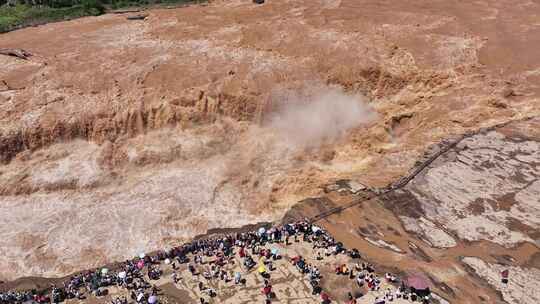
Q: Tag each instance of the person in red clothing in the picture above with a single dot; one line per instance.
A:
(267, 289)
(242, 252)
(325, 298)
(504, 276)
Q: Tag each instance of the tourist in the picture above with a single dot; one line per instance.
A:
(325, 298)
(267, 290)
(212, 256)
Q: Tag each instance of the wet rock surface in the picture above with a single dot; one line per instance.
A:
(486, 188)
(522, 286)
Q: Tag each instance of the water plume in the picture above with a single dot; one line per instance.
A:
(324, 115)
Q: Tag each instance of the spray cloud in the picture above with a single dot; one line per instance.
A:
(322, 116)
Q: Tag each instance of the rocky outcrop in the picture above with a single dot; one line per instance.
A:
(479, 187)
(522, 286)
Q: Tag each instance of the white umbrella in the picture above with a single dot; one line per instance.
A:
(142, 255)
(122, 275)
(167, 261)
(262, 230)
(104, 270)
(152, 299)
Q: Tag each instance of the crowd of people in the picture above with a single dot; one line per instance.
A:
(136, 275)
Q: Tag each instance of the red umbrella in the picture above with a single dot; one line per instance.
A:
(417, 282)
(505, 274)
